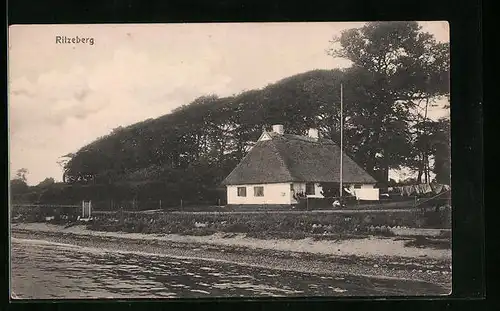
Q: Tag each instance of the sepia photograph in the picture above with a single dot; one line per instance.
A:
(218, 160)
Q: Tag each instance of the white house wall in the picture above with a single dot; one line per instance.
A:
(301, 188)
(370, 194)
(276, 193)
(364, 186)
(317, 191)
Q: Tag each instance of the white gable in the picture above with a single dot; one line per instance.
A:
(264, 136)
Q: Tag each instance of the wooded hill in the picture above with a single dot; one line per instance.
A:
(396, 71)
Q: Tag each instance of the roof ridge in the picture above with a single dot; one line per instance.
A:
(307, 139)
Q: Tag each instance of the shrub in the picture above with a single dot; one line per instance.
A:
(237, 228)
(254, 224)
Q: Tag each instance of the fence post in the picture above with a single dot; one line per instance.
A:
(160, 203)
(181, 204)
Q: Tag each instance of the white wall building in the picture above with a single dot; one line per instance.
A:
(280, 166)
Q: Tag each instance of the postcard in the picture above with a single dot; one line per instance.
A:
(222, 160)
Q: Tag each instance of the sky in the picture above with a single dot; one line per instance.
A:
(64, 96)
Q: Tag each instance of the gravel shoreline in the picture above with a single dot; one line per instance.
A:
(433, 271)
(367, 246)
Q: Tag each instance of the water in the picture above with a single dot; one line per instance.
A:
(47, 270)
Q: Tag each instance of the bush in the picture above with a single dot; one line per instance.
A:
(438, 218)
(237, 228)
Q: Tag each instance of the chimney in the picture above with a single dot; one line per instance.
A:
(313, 133)
(278, 128)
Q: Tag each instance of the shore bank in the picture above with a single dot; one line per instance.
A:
(370, 246)
(374, 257)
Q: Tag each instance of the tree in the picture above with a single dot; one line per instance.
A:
(187, 153)
(433, 142)
(21, 174)
(440, 147)
(47, 182)
(18, 187)
(63, 163)
(396, 68)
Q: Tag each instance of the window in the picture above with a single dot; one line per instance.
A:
(242, 191)
(357, 186)
(310, 189)
(258, 191)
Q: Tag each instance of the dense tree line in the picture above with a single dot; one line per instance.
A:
(397, 72)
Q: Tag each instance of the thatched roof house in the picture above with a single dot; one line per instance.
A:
(280, 165)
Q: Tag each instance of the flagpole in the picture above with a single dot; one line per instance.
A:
(341, 139)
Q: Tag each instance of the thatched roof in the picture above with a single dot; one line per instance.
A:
(293, 158)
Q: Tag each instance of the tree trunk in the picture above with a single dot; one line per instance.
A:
(421, 169)
(427, 169)
(425, 156)
(426, 173)
(385, 174)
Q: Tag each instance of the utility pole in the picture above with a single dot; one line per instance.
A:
(341, 139)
